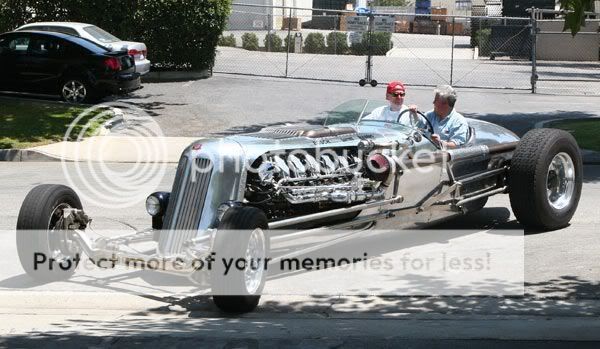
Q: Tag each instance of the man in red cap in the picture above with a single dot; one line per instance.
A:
(395, 93)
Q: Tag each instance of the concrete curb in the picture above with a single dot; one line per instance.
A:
(175, 76)
(590, 157)
(24, 155)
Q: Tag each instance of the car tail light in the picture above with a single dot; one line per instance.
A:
(113, 63)
(137, 54)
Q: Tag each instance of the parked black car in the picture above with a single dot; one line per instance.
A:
(54, 63)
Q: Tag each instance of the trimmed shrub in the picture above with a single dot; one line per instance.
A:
(337, 43)
(289, 41)
(482, 40)
(314, 43)
(273, 43)
(380, 43)
(227, 41)
(179, 34)
(250, 42)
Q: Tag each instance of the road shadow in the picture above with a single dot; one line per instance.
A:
(152, 108)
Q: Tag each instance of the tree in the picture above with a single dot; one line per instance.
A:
(575, 16)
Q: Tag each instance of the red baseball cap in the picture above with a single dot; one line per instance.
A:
(395, 85)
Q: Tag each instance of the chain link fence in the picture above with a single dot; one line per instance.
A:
(422, 50)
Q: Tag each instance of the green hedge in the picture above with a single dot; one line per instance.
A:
(314, 43)
(273, 43)
(227, 41)
(179, 34)
(337, 43)
(381, 43)
(250, 42)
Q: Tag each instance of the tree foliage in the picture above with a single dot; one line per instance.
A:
(575, 17)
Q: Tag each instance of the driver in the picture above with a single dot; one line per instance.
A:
(450, 128)
(395, 93)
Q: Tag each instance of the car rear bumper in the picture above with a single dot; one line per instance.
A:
(142, 67)
(121, 83)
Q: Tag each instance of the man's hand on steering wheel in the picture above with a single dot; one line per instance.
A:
(413, 110)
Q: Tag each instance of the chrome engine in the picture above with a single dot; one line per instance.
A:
(309, 181)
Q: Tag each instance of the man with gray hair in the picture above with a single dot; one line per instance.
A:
(450, 128)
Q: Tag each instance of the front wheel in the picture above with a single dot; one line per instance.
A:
(242, 240)
(545, 179)
(45, 248)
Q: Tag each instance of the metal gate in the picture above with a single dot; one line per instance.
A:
(421, 50)
(563, 63)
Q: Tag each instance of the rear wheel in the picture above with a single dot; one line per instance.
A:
(77, 90)
(45, 248)
(545, 179)
(241, 237)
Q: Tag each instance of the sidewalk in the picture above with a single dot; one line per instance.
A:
(117, 149)
(126, 149)
(115, 315)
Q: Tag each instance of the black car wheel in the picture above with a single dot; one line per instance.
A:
(242, 235)
(76, 90)
(545, 179)
(46, 250)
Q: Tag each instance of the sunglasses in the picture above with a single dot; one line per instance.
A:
(399, 94)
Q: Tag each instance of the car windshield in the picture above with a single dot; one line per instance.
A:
(352, 111)
(100, 34)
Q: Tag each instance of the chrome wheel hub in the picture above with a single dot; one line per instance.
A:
(255, 259)
(560, 183)
(74, 91)
(60, 244)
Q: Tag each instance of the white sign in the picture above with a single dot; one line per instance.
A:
(383, 24)
(257, 23)
(355, 38)
(357, 24)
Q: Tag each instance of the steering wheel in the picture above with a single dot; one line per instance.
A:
(429, 126)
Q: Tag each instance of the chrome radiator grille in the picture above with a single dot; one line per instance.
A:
(186, 204)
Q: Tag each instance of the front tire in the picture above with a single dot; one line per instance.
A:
(241, 234)
(545, 179)
(40, 234)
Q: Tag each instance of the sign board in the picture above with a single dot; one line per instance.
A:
(384, 24)
(355, 37)
(357, 23)
(257, 23)
(298, 43)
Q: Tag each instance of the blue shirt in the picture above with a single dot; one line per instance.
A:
(452, 128)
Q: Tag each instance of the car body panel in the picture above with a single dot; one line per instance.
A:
(51, 58)
(79, 29)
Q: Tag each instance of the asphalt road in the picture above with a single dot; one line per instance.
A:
(562, 279)
(227, 104)
(562, 291)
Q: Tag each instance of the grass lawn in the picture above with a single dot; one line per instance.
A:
(585, 131)
(26, 123)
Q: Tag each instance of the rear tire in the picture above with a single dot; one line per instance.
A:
(545, 179)
(242, 232)
(39, 233)
(77, 90)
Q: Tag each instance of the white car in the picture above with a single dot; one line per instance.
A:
(91, 32)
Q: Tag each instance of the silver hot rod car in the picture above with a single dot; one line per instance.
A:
(232, 194)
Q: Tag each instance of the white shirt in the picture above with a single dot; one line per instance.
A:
(385, 113)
